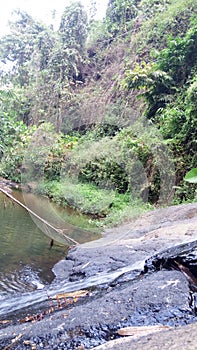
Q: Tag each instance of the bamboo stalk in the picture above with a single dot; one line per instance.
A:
(59, 231)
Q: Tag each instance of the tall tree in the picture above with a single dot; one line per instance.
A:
(46, 63)
(18, 46)
(73, 34)
(119, 14)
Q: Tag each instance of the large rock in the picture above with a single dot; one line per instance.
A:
(133, 242)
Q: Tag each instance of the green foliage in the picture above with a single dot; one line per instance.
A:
(53, 190)
(119, 15)
(151, 7)
(73, 27)
(180, 57)
(178, 119)
(156, 85)
(171, 121)
(191, 176)
(123, 211)
(18, 46)
(88, 198)
(12, 132)
(162, 19)
(97, 35)
(173, 66)
(107, 172)
(15, 103)
(45, 63)
(191, 96)
(42, 154)
(117, 162)
(14, 138)
(168, 86)
(46, 154)
(104, 207)
(184, 193)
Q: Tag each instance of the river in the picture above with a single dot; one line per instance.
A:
(26, 258)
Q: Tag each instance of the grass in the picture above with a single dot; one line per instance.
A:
(100, 207)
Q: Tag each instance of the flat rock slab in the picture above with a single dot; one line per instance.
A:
(133, 242)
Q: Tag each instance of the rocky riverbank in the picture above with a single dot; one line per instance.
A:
(143, 274)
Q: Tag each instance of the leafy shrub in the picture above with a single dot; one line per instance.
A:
(171, 121)
(106, 172)
(14, 139)
(155, 86)
(179, 58)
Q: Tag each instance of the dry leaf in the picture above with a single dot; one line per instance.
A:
(141, 331)
(5, 321)
(63, 300)
(49, 311)
(29, 342)
(28, 319)
(32, 318)
(16, 338)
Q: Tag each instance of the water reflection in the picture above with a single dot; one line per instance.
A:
(26, 259)
(59, 217)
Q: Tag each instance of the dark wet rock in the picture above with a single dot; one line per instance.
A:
(62, 269)
(159, 298)
(185, 253)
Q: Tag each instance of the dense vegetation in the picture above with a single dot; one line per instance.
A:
(102, 115)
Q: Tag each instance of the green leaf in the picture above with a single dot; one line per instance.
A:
(191, 176)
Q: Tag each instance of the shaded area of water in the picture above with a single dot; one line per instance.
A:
(26, 259)
(59, 217)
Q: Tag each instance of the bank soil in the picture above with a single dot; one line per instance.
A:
(143, 274)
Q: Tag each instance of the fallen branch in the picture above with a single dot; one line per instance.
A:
(59, 231)
(141, 330)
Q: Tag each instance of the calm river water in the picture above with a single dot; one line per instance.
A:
(26, 259)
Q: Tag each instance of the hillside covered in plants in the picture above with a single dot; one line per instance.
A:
(102, 115)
